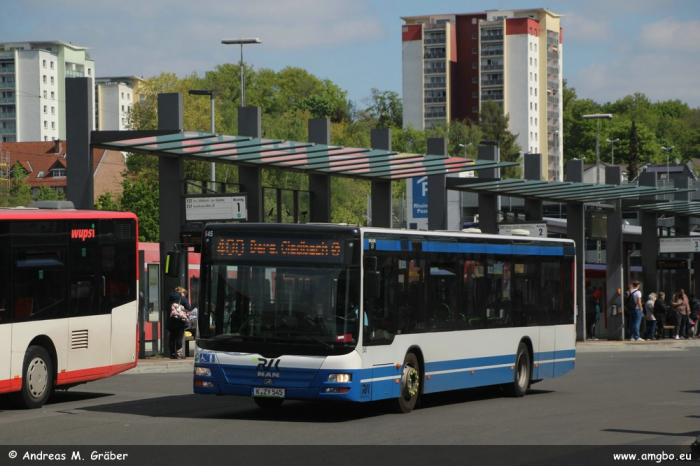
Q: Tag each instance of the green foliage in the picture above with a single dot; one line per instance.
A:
(494, 127)
(140, 196)
(108, 201)
(48, 194)
(386, 108)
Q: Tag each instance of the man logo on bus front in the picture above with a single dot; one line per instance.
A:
(266, 367)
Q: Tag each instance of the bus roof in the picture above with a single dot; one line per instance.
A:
(31, 213)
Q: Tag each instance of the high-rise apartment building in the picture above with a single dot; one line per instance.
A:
(114, 97)
(453, 63)
(32, 88)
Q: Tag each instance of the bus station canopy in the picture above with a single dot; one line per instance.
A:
(564, 191)
(685, 208)
(369, 164)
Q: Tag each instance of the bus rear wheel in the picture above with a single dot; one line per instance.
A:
(410, 385)
(268, 403)
(37, 378)
(521, 377)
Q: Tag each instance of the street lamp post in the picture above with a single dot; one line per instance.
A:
(612, 149)
(667, 150)
(598, 117)
(465, 148)
(242, 41)
(211, 94)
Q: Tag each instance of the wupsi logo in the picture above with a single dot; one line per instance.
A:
(268, 367)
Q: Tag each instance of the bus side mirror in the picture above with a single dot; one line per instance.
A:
(172, 264)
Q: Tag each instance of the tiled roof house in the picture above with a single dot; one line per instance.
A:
(46, 164)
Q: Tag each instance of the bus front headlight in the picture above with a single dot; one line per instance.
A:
(339, 377)
(203, 371)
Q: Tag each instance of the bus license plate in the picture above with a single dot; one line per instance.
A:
(269, 392)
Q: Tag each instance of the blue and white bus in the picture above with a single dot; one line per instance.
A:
(349, 313)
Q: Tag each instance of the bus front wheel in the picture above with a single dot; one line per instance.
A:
(37, 378)
(523, 369)
(410, 385)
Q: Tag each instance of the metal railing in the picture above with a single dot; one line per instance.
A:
(433, 56)
(435, 100)
(492, 68)
(439, 40)
(496, 52)
(436, 115)
(492, 82)
(435, 85)
(491, 37)
(435, 70)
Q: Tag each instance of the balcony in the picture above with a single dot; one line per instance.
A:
(434, 41)
(74, 74)
(8, 115)
(442, 85)
(431, 115)
(7, 69)
(7, 85)
(8, 100)
(435, 100)
(492, 82)
(491, 67)
(492, 52)
(434, 27)
(442, 70)
(493, 96)
(8, 130)
(434, 55)
(492, 37)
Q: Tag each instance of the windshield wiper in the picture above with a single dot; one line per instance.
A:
(318, 340)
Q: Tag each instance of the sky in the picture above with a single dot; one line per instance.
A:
(611, 48)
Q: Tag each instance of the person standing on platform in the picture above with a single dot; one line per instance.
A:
(636, 313)
(660, 311)
(591, 314)
(176, 322)
(649, 314)
(681, 306)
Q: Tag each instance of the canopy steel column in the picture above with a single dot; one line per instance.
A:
(437, 189)
(79, 122)
(250, 177)
(614, 257)
(650, 241)
(381, 189)
(488, 203)
(170, 205)
(575, 230)
(682, 227)
(533, 171)
(320, 185)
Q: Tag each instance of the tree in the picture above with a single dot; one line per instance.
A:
(633, 155)
(386, 108)
(140, 196)
(48, 194)
(494, 127)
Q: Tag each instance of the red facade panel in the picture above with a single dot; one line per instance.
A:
(462, 74)
(515, 26)
(411, 32)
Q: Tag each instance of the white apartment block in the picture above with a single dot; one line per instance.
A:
(114, 97)
(452, 63)
(32, 88)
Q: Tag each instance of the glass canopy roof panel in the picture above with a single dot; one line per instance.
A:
(210, 148)
(256, 149)
(152, 142)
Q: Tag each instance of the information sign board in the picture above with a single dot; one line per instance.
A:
(679, 244)
(535, 229)
(221, 207)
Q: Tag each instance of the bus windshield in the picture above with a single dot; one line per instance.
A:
(256, 307)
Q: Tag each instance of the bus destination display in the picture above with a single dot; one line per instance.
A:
(271, 248)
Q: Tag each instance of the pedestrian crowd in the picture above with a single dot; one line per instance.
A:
(681, 311)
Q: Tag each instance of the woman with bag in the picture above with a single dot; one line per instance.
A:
(681, 306)
(693, 317)
(179, 308)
